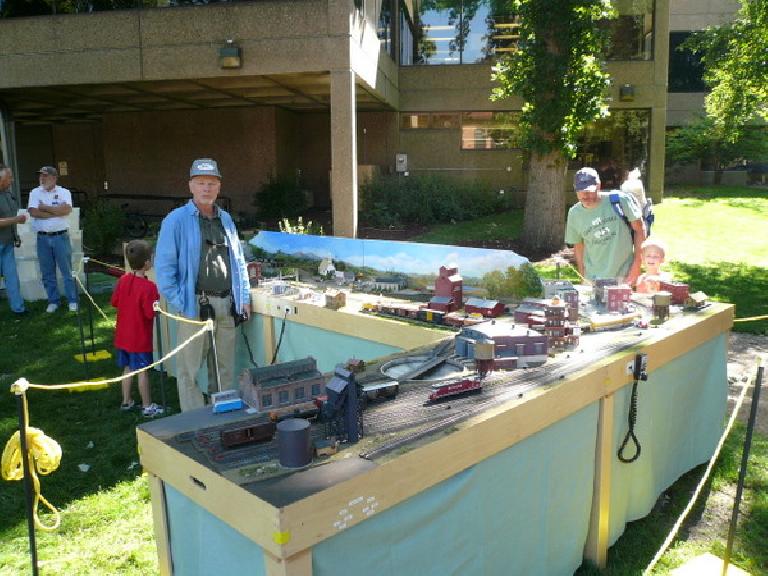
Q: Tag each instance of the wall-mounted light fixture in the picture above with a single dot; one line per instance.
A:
(627, 93)
(229, 55)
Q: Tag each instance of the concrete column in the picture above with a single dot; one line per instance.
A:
(343, 153)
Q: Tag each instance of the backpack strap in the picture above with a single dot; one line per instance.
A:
(615, 197)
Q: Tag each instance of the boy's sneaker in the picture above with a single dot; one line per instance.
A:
(73, 307)
(127, 406)
(52, 308)
(152, 410)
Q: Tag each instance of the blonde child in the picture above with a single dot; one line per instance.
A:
(134, 298)
(653, 257)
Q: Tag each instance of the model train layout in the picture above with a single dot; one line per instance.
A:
(501, 353)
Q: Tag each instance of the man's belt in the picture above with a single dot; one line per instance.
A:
(57, 233)
(219, 294)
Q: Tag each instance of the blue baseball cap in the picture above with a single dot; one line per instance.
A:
(204, 167)
(586, 179)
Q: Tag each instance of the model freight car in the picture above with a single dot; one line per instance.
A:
(247, 434)
(455, 388)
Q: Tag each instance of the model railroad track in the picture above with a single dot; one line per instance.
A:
(522, 381)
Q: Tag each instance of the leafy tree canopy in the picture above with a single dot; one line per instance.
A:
(557, 71)
(735, 57)
(705, 140)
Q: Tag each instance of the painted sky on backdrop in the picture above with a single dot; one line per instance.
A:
(390, 256)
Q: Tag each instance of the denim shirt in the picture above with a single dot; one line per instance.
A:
(177, 259)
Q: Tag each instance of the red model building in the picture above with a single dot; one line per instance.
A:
(553, 322)
(678, 290)
(488, 308)
(617, 297)
(449, 284)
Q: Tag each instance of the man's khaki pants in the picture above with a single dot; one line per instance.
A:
(191, 357)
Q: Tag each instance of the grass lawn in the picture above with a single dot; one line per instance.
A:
(106, 518)
(106, 523)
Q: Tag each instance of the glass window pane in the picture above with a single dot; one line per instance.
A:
(490, 130)
(685, 67)
(439, 32)
(615, 145)
(444, 121)
(414, 121)
(631, 34)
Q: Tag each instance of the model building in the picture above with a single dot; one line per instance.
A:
(284, 384)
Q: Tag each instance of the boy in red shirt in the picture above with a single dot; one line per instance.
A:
(134, 297)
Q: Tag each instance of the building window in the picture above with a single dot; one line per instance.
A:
(630, 35)
(315, 389)
(425, 120)
(298, 394)
(520, 349)
(539, 347)
(615, 145)
(490, 130)
(266, 400)
(283, 396)
(460, 31)
(685, 67)
(384, 29)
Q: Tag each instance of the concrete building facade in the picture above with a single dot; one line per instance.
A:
(326, 90)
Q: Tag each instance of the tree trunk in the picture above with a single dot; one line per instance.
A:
(544, 221)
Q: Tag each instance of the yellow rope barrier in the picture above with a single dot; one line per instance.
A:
(178, 318)
(86, 384)
(751, 318)
(76, 277)
(700, 486)
(44, 452)
(44, 455)
(89, 259)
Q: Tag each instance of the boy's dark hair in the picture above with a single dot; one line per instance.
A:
(138, 253)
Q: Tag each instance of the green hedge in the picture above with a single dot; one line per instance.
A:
(394, 200)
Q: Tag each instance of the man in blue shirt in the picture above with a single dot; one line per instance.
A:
(200, 266)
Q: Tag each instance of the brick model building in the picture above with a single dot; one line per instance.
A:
(514, 346)
(617, 297)
(488, 308)
(679, 291)
(599, 288)
(282, 384)
(449, 284)
(553, 322)
(565, 290)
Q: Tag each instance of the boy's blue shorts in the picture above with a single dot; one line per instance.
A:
(134, 360)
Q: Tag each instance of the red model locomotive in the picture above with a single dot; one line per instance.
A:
(455, 388)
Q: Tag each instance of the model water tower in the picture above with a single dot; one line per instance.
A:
(661, 303)
(485, 356)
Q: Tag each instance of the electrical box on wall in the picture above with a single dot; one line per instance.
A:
(401, 162)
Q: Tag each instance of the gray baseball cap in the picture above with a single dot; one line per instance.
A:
(48, 171)
(204, 167)
(586, 179)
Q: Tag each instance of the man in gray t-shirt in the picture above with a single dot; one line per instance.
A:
(602, 243)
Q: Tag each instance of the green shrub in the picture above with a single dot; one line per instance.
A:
(103, 223)
(393, 200)
(280, 198)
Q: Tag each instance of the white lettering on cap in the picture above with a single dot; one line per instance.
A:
(205, 166)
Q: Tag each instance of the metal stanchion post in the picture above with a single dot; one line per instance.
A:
(744, 462)
(159, 333)
(90, 309)
(29, 492)
(215, 354)
(82, 334)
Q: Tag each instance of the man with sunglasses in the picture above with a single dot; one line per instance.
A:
(201, 272)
